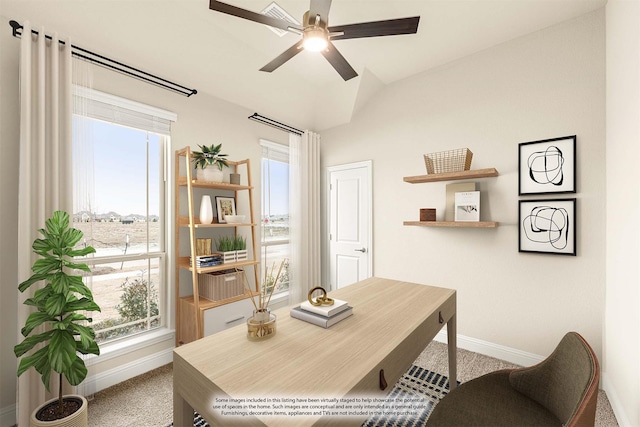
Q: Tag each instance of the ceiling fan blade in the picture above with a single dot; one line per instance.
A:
(390, 27)
(338, 62)
(283, 57)
(319, 7)
(219, 6)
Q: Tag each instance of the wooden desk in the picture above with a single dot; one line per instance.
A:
(392, 323)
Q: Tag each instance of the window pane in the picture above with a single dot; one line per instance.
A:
(275, 223)
(117, 177)
(118, 197)
(127, 293)
(272, 257)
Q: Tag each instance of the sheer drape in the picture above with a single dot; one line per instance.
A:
(45, 168)
(304, 211)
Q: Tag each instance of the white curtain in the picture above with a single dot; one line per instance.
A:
(45, 169)
(304, 214)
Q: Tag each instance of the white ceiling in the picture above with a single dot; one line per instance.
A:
(218, 54)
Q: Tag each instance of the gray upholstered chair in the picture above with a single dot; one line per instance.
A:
(560, 391)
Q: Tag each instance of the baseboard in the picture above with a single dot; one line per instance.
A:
(95, 383)
(501, 352)
(614, 400)
(8, 416)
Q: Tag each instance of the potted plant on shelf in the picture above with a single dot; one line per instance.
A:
(209, 163)
(59, 306)
(226, 249)
(240, 246)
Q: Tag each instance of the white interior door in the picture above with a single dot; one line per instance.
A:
(350, 205)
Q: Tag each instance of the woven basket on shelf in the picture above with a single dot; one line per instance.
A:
(449, 161)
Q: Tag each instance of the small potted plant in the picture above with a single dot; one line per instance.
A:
(226, 248)
(209, 163)
(59, 305)
(240, 246)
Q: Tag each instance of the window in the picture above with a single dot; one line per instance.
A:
(119, 189)
(275, 215)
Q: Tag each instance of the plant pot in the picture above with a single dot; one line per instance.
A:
(228, 257)
(77, 419)
(210, 174)
(241, 255)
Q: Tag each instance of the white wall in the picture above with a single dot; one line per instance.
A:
(202, 119)
(547, 84)
(622, 321)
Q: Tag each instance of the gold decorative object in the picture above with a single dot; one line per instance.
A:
(262, 324)
(321, 300)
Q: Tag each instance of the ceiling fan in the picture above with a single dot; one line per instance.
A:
(318, 36)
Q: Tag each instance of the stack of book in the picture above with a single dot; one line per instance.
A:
(322, 315)
(206, 261)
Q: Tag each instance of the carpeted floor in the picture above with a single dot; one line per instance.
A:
(147, 400)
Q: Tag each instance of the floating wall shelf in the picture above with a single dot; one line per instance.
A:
(459, 224)
(452, 176)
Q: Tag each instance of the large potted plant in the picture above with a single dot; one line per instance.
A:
(63, 330)
(209, 163)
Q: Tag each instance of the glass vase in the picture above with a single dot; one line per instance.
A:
(261, 325)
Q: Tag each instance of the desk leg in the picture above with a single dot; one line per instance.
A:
(182, 411)
(452, 348)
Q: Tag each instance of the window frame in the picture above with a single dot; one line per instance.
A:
(103, 106)
(281, 155)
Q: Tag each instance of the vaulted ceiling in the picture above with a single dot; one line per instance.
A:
(218, 54)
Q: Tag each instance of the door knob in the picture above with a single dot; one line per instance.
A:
(363, 250)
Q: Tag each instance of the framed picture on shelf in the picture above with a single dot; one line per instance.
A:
(225, 206)
(547, 166)
(547, 226)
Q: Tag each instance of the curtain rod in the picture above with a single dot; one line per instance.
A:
(270, 122)
(113, 65)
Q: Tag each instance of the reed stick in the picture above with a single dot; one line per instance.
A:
(273, 288)
(246, 283)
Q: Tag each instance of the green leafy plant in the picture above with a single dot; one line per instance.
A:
(225, 244)
(210, 155)
(239, 243)
(134, 301)
(59, 306)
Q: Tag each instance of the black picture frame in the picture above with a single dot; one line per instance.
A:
(547, 226)
(547, 166)
(225, 206)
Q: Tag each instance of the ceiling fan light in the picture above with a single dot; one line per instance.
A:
(315, 40)
(315, 44)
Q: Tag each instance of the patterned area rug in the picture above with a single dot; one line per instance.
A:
(418, 385)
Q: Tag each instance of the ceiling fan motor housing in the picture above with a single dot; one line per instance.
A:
(315, 35)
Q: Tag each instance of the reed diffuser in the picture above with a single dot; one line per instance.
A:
(262, 324)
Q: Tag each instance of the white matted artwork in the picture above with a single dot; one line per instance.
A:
(548, 226)
(547, 166)
(225, 206)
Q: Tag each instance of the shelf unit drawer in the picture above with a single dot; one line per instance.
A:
(226, 316)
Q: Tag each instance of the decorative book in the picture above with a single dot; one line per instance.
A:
(325, 310)
(451, 190)
(467, 206)
(318, 319)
